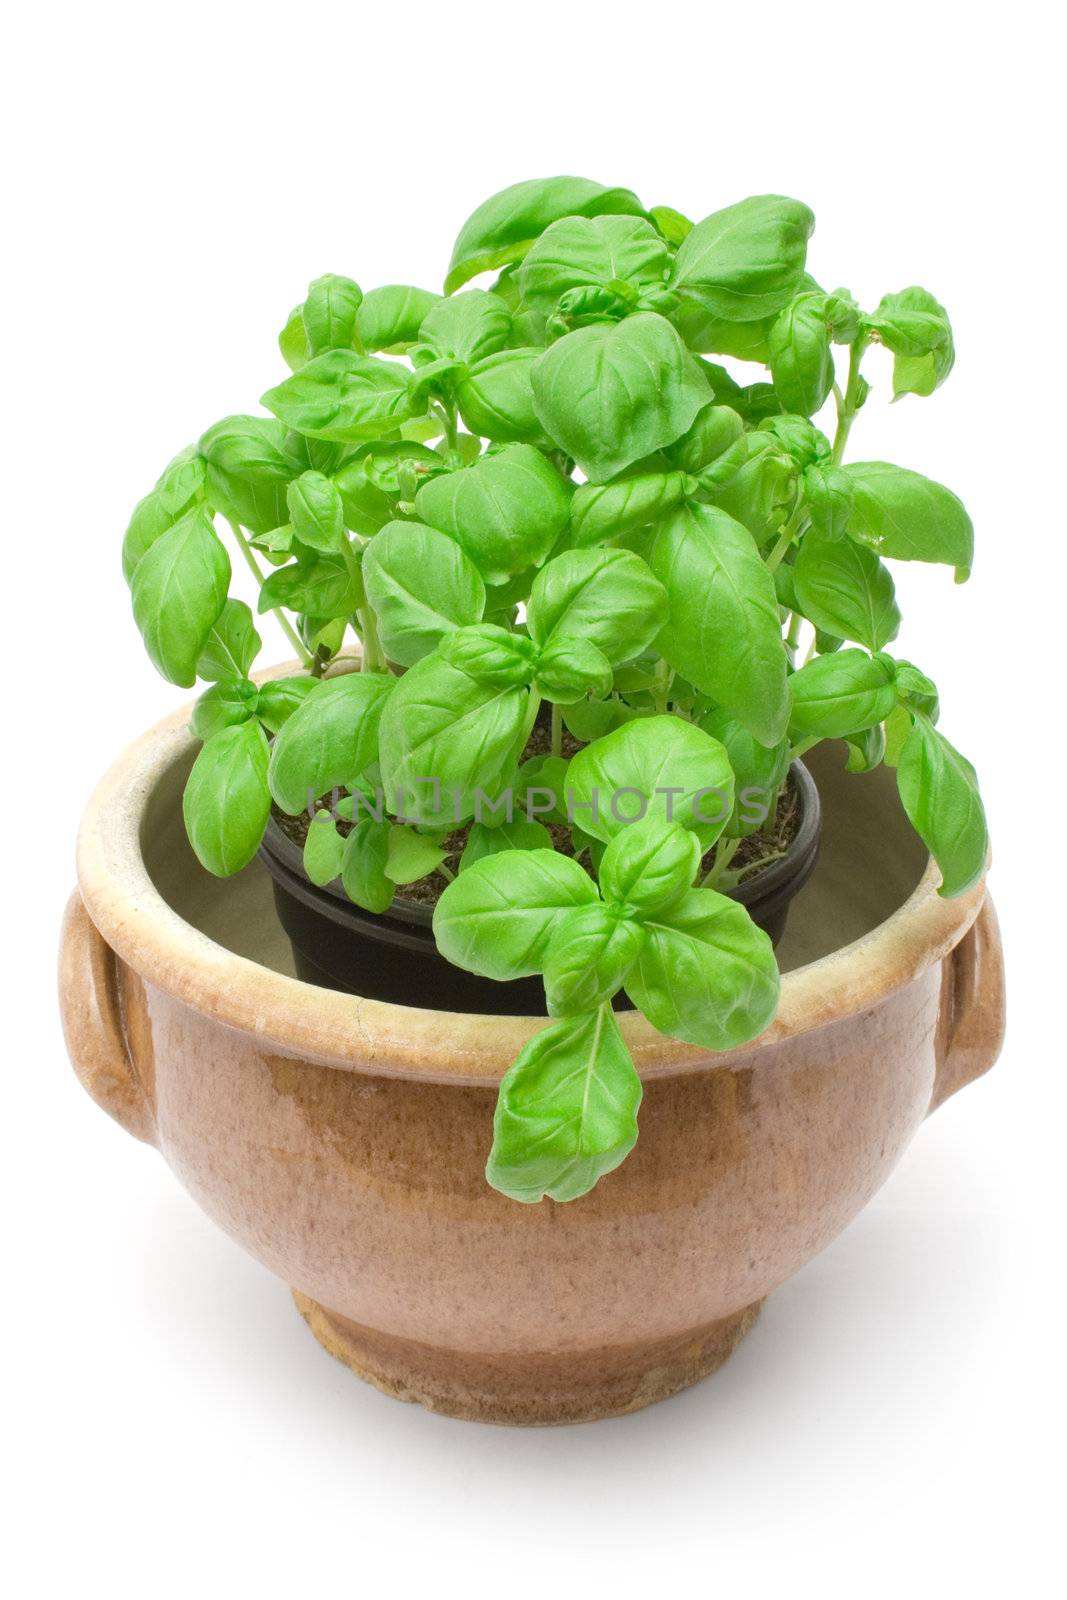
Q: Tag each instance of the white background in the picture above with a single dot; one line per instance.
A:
(179, 173)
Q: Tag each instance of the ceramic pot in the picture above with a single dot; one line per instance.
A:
(394, 956)
(342, 1140)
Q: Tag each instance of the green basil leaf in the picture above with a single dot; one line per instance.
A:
(746, 261)
(226, 801)
(178, 591)
(939, 792)
(602, 511)
(322, 586)
(567, 1111)
(519, 834)
(916, 328)
(609, 598)
(649, 865)
(897, 727)
(293, 341)
(363, 867)
(249, 469)
(916, 690)
(179, 487)
(593, 252)
(843, 588)
(759, 771)
(344, 396)
(724, 631)
(495, 397)
(231, 646)
(279, 698)
(389, 318)
(491, 655)
(375, 480)
(866, 750)
(907, 517)
(715, 430)
(330, 740)
(498, 916)
(570, 669)
(412, 855)
(467, 326)
(223, 706)
(615, 392)
(421, 585)
(445, 735)
(507, 510)
(829, 498)
(707, 333)
(589, 720)
(755, 483)
(324, 850)
(672, 224)
(659, 766)
(706, 974)
(588, 958)
(800, 439)
(504, 227)
(801, 361)
(316, 512)
(841, 694)
(844, 316)
(329, 313)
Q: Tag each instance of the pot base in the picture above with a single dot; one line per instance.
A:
(533, 1390)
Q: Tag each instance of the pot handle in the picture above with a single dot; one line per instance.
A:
(93, 1023)
(974, 1006)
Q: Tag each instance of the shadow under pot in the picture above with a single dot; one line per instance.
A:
(392, 955)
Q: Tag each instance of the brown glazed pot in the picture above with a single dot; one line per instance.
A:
(342, 1141)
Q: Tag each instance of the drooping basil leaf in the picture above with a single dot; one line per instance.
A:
(939, 792)
(343, 396)
(907, 517)
(226, 801)
(178, 591)
(567, 1112)
(412, 855)
(801, 361)
(615, 392)
(659, 766)
(837, 695)
(504, 227)
(724, 632)
(223, 706)
(706, 974)
(421, 584)
(609, 598)
(231, 646)
(842, 587)
(179, 487)
(330, 740)
(249, 469)
(324, 850)
(363, 866)
(507, 510)
(916, 328)
(498, 916)
(759, 771)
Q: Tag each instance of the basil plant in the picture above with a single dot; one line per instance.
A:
(548, 499)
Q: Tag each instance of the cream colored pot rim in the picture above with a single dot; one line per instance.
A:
(299, 1019)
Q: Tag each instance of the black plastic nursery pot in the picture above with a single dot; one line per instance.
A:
(392, 956)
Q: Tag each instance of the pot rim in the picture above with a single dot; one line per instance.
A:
(374, 1036)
